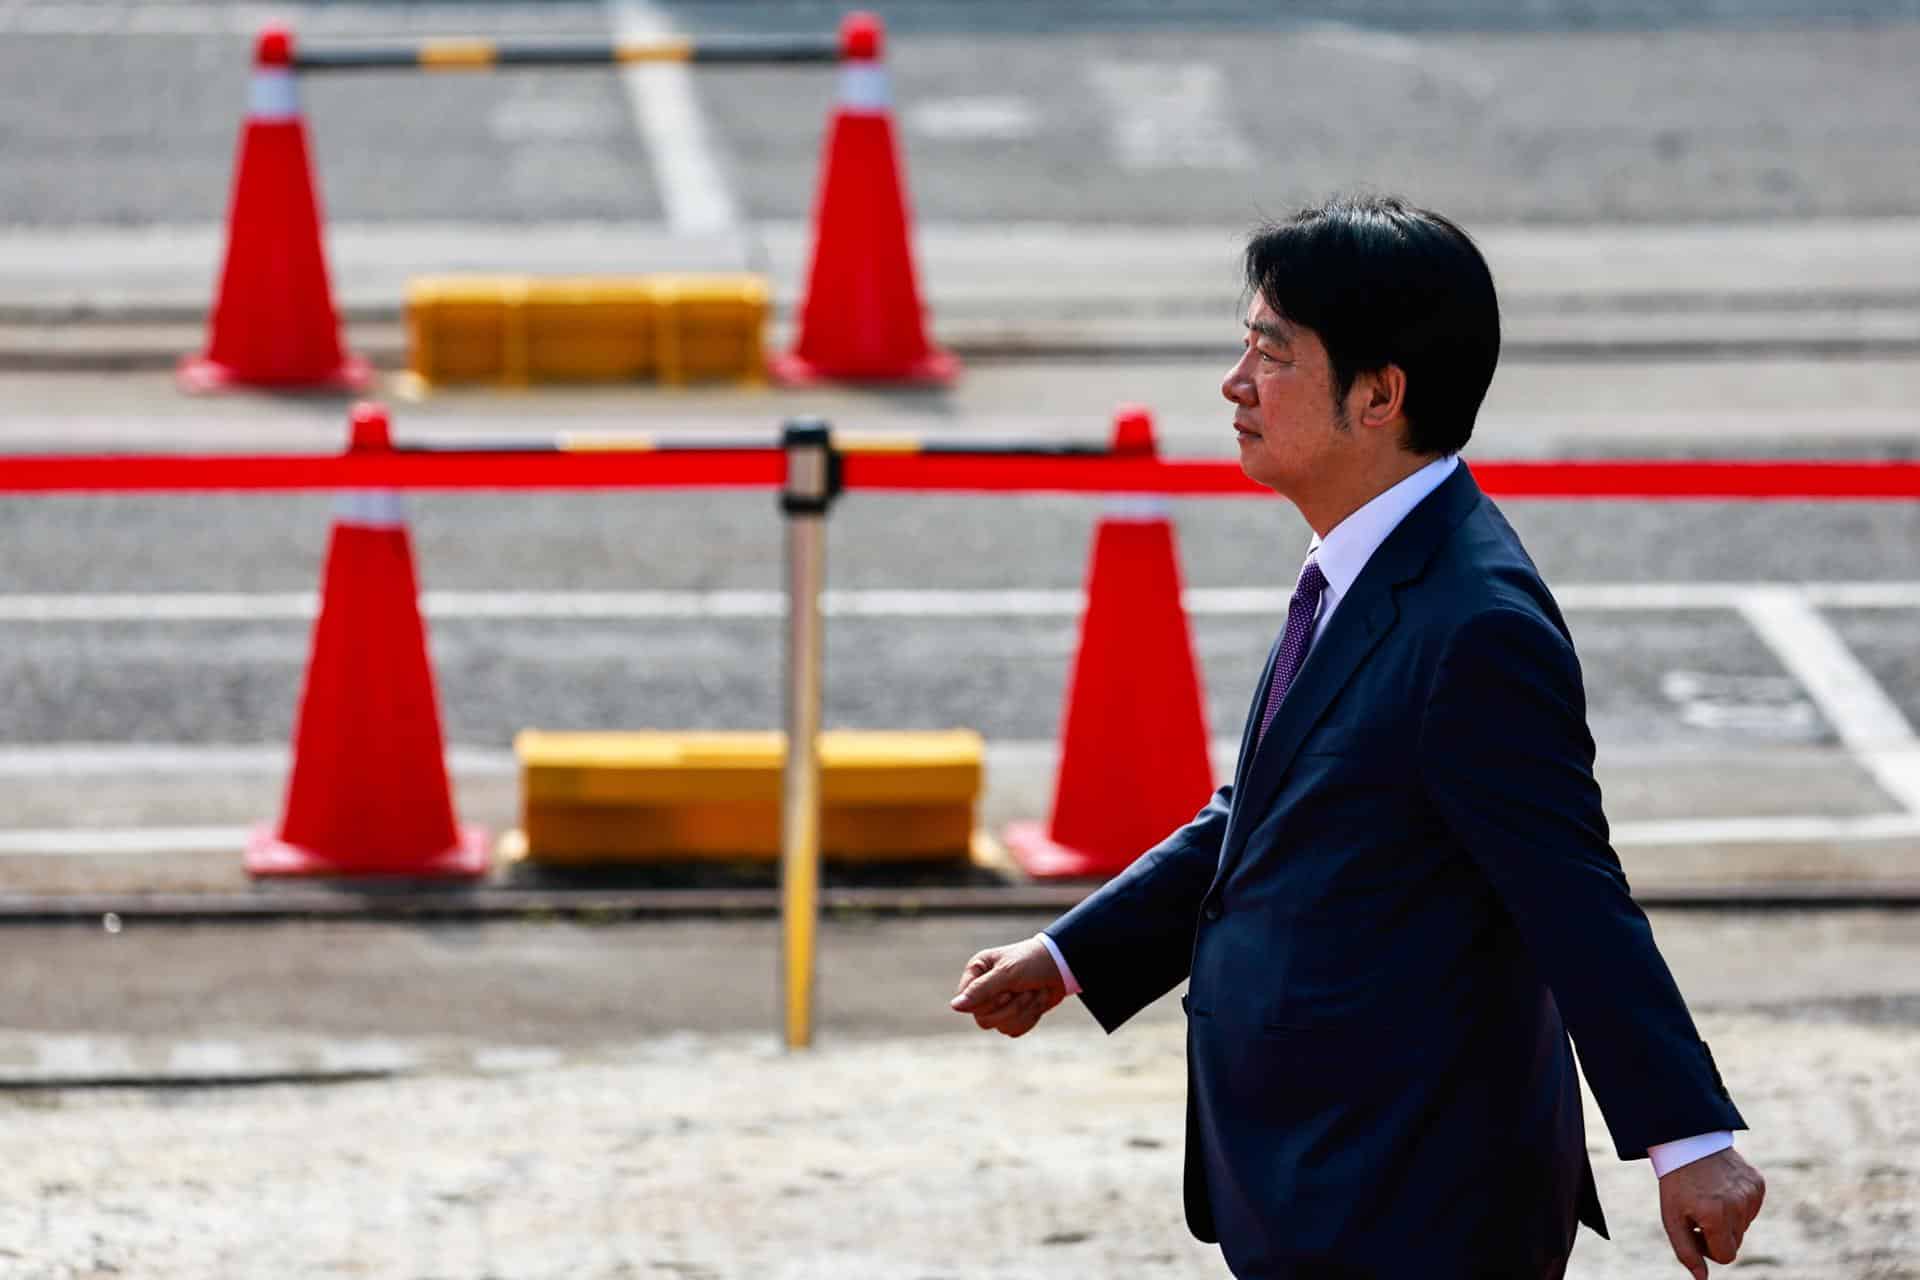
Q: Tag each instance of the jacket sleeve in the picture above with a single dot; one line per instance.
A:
(1508, 762)
(1131, 941)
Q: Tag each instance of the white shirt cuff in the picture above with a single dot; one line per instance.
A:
(1060, 963)
(1668, 1156)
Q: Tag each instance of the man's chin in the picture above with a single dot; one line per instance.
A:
(1251, 466)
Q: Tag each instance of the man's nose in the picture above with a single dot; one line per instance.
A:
(1237, 386)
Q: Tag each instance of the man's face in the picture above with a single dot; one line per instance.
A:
(1291, 430)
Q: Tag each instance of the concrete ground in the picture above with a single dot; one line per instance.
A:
(562, 1100)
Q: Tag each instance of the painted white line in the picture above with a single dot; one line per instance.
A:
(169, 606)
(106, 842)
(112, 759)
(1663, 597)
(953, 604)
(1860, 711)
(1003, 119)
(1043, 602)
(1864, 595)
(605, 605)
(687, 168)
(1781, 830)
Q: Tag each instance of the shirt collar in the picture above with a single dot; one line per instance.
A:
(1344, 552)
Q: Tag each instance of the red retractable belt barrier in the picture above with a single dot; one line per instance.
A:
(1188, 477)
(693, 468)
(479, 469)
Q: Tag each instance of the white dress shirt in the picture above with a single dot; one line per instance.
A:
(1342, 554)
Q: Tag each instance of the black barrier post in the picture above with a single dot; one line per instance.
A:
(813, 482)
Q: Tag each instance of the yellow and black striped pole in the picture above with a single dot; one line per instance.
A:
(465, 54)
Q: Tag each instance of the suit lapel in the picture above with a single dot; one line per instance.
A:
(1250, 726)
(1363, 619)
(1365, 616)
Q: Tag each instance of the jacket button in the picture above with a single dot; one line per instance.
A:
(1213, 911)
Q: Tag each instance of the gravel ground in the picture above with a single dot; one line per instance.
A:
(952, 1156)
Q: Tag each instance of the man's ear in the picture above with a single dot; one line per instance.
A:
(1383, 397)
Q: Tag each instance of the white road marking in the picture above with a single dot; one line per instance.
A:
(974, 119)
(687, 167)
(115, 759)
(1780, 830)
(1039, 602)
(1860, 711)
(544, 121)
(172, 606)
(109, 842)
(1772, 707)
(1170, 116)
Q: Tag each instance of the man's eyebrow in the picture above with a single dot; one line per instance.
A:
(1270, 330)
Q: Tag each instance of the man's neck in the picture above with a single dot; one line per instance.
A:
(1324, 511)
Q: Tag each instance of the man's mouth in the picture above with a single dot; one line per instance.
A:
(1244, 432)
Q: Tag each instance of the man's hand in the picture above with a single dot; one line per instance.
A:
(1707, 1207)
(1007, 989)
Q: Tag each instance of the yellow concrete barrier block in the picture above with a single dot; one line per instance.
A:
(639, 797)
(710, 328)
(516, 330)
(590, 330)
(459, 329)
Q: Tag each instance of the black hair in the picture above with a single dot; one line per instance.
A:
(1380, 282)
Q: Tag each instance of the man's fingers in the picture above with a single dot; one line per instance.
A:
(1028, 1019)
(996, 1010)
(975, 967)
(982, 980)
(1022, 1014)
(1686, 1246)
(1721, 1240)
(1008, 1009)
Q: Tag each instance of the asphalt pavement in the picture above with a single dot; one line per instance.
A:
(1697, 215)
(1499, 111)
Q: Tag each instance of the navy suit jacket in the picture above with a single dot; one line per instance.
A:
(1390, 920)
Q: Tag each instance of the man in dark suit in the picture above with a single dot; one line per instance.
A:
(1395, 914)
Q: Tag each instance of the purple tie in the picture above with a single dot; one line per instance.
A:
(1293, 641)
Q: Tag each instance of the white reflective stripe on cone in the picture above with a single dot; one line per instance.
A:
(272, 96)
(371, 509)
(863, 87)
(1138, 509)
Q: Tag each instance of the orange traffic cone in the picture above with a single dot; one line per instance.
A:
(1133, 758)
(273, 322)
(369, 793)
(861, 318)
